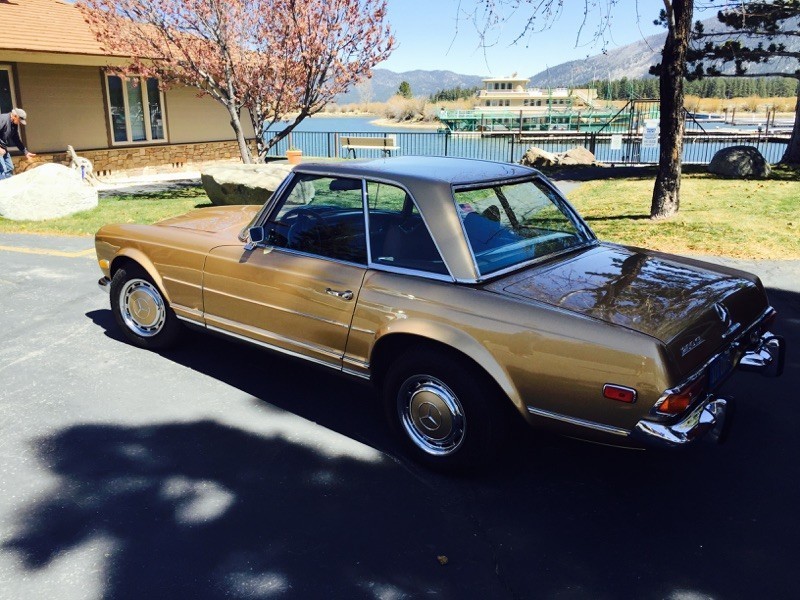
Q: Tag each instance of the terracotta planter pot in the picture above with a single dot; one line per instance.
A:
(294, 156)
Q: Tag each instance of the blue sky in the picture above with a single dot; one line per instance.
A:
(430, 38)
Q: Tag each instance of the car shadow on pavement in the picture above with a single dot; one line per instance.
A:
(204, 510)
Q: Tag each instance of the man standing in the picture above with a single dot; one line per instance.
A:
(9, 136)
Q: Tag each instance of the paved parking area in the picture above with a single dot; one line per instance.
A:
(222, 471)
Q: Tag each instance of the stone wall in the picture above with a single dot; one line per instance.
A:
(143, 160)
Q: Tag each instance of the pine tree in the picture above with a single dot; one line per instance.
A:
(404, 90)
(754, 36)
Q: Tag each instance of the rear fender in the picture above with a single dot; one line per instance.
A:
(457, 341)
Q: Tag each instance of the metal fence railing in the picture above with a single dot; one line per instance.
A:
(625, 148)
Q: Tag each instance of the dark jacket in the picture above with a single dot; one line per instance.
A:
(9, 134)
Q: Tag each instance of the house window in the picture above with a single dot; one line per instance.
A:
(135, 107)
(6, 89)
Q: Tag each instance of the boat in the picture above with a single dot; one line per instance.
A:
(703, 117)
(510, 104)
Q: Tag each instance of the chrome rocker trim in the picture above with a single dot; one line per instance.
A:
(580, 422)
(104, 284)
(710, 418)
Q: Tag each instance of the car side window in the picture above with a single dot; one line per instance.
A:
(398, 236)
(322, 216)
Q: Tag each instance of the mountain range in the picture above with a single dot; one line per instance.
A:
(632, 61)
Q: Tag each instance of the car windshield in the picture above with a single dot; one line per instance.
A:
(512, 223)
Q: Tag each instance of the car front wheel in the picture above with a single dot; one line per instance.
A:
(141, 311)
(444, 414)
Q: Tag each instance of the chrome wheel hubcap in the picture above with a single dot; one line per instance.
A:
(431, 415)
(142, 307)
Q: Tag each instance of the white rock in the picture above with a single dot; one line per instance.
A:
(46, 192)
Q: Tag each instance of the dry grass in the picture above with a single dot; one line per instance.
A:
(751, 104)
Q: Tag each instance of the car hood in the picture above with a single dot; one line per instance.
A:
(690, 306)
(217, 219)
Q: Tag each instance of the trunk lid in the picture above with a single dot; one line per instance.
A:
(694, 308)
(216, 219)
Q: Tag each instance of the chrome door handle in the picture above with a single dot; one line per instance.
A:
(345, 295)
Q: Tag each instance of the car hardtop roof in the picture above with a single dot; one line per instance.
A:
(449, 170)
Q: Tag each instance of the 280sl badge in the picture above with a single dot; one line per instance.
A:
(691, 345)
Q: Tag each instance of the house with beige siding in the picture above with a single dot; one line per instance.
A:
(52, 66)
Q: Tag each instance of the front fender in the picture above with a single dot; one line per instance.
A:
(144, 262)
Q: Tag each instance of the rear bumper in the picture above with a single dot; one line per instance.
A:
(711, 419)
(766, 356)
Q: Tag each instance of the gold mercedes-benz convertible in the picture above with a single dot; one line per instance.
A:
(468, 292)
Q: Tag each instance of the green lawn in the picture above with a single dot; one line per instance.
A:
(125, 208)
(744, 219)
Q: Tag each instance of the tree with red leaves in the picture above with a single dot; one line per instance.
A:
(272, 58)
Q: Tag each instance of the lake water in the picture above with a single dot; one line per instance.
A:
(349, 125)
(321, 137)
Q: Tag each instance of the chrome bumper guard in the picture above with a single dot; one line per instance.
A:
(105, 284)
(766, 357)
(710, 420)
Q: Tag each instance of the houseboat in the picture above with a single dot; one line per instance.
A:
(510, 104)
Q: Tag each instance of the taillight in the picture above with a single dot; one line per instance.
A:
(679, 401)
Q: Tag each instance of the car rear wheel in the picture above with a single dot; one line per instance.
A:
(141, 311)
(442, 412)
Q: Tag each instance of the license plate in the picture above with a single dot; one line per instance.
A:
(720, 368)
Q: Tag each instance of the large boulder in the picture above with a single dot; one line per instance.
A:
(536, 157)
(49, 191)
(739, 162)
(577, 156)
(243, 184)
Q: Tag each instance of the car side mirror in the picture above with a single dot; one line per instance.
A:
(256, 235)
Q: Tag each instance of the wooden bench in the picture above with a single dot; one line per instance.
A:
(385, 144)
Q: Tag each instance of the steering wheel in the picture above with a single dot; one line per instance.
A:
(304, 233)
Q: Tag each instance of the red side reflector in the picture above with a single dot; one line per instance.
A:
(619, 393)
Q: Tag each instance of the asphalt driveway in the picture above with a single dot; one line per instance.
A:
(218, 470)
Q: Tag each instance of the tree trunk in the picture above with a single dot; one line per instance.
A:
(666, 192)
(792, 154)
(236, 124)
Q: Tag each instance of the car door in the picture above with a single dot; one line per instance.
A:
(297, 291)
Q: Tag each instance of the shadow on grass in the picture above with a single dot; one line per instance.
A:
(785, 173)
(649, 172)
(618, 218)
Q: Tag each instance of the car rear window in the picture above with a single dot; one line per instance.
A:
(508, 224)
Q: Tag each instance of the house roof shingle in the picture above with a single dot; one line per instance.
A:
(46, 26)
